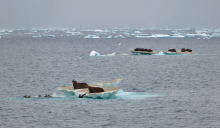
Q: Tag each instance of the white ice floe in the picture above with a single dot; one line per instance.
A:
(109, 92)
(161, 36)
(137, 32)
(109, 36)
(119, 44)
(10, 30)
(119, 36)
(37, 36)
(2, 30)
(94, 53)
(49, 35)
(177, 36)
(77, 33)
(189, 35)
(98, 30)
(91, 36)
(139, 36)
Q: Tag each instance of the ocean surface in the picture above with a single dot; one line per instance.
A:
(179, 90)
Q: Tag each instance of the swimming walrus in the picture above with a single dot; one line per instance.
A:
(27, 96)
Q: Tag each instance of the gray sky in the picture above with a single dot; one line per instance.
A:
(109, 13)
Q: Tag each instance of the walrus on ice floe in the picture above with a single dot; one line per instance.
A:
(172, 50)
(77, 85)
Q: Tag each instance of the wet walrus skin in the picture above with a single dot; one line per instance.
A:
(77, 85)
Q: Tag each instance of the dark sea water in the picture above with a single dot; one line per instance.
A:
(188, 85)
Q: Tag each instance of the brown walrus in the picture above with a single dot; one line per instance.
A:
(77, 85)
(172, 50)
(27, 96)
(183, 50)
(142, 49)
(95, 89)
(47, 96)
(188, 50)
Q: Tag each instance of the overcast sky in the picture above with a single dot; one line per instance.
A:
(109, 13)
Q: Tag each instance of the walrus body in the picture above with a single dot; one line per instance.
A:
(95, 90)
(183, 50)
(172, 50)
(142, 49)
(77, 85)
(188, 50)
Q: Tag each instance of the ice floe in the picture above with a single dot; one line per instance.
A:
(91, 36)
(94, 53)
(49, 35)
(37, 36)
(109, 36)
(119, 36)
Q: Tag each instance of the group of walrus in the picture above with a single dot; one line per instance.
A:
(26, 96)
(170, 50)
(77, 85)
(143, 49)
(182, 50)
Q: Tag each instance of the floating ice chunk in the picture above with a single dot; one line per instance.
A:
(49, 35)
(201, 34)
(91, 36)
(161, 36)
(134, 95)
(109, 92)
(137, 32)
(177, 36)
(94, 53)
(215, 35)
(160, 53)
(119, 36)
(189, 35)
(206, 37)
(2, 30)
(138, 36)
(98, 30)
(37, 36)
(77, 33)
(10, 30)
(119, 44)
(109, 36)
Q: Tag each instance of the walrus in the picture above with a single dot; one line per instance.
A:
(188, 50)
(95, 89)
(47, 96)
(172, 50)
(142, 49)
(27, 96)
(183, 50)
(77, 85)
